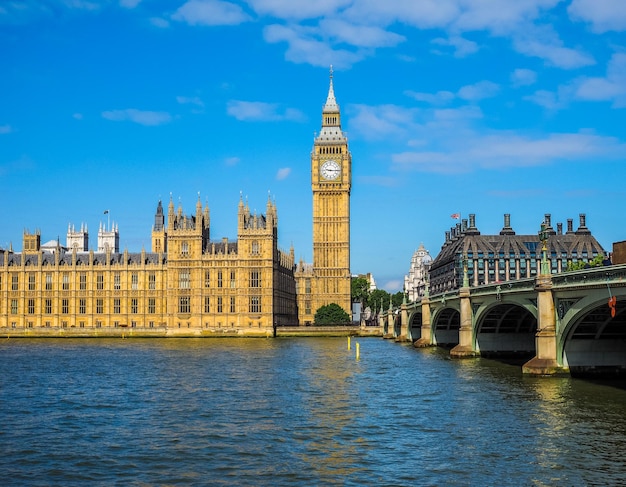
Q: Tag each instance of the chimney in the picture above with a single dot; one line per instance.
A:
(570, 225)
(507, 230)
(582, 228)
(547, 220)
(472, 230)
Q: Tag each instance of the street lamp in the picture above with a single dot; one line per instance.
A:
(465, 272)
(543, 236)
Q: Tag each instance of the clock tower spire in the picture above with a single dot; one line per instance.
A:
(331, 179)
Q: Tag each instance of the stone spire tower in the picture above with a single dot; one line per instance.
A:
(331, 178)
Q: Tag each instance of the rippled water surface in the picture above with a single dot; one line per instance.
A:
(295, 412)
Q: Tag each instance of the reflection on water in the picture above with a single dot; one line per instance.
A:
(295, 412)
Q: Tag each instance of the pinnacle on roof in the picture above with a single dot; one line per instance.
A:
(331, 102)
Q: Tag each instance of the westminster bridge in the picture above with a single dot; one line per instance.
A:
(573, 322)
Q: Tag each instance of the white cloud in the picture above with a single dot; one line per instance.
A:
(232, 161)
(304, 47)
(264, 112)
(500, 18)
(78, 116)
(195, 101)
(544, 43)
(159, 22)
(290, 9)
(610, 88)
(603, 15)
(439, 98)
(478, 91)
(505, 150)
(283, 173)
(129, 3)
(380, 122)
(462, 47)
(5, 129)
(423, 14)
(141, 117)
(211, 12)
(523, 77)
(82, 4)
(359, 35)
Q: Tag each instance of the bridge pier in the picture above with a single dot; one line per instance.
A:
(545, 361)
(426, 333)
(403, 335)
(465, 348)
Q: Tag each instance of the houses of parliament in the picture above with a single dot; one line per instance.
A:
(190, 284)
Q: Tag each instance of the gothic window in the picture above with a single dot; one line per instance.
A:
(82, 306)
(83, 281)
(232, 279)
(99, 306)
(65, 306)
(184, 248)
(151, 306)
(219, 279)
(48, 307)
(183, 304)
(134, 280)
(207, 279)
(254, 279)
(134, 306)
(255, 247)
(219, 304)
(152, 281)
(232, 304)
(31, 281)
(31, 306)
(100, 281)
(14, 306)
(183, 279)
(207, 304)
(117, 281)
(116, 306)
(15, 282)
(255, 304)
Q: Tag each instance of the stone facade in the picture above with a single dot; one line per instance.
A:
(198, 287)
(507, 256)
(415, 281)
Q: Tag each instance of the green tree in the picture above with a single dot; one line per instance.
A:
(397, 299)
(597, 261)
(331, 314)
(360, 290)
(376, 296)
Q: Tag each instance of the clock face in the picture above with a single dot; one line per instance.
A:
(330, 170)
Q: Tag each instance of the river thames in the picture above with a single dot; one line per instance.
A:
(297, 411)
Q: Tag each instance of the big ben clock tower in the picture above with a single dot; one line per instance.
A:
(331, 175)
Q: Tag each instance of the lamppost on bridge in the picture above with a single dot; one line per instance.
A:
(465, 273)
(543, 236)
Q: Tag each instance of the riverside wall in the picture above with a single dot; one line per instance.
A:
(162, 332)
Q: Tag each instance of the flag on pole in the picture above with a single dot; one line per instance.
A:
(455, 216)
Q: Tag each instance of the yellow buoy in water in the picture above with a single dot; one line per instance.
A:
(358, 351)
(348, 343)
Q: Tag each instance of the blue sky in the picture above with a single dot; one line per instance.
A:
(450, 106)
